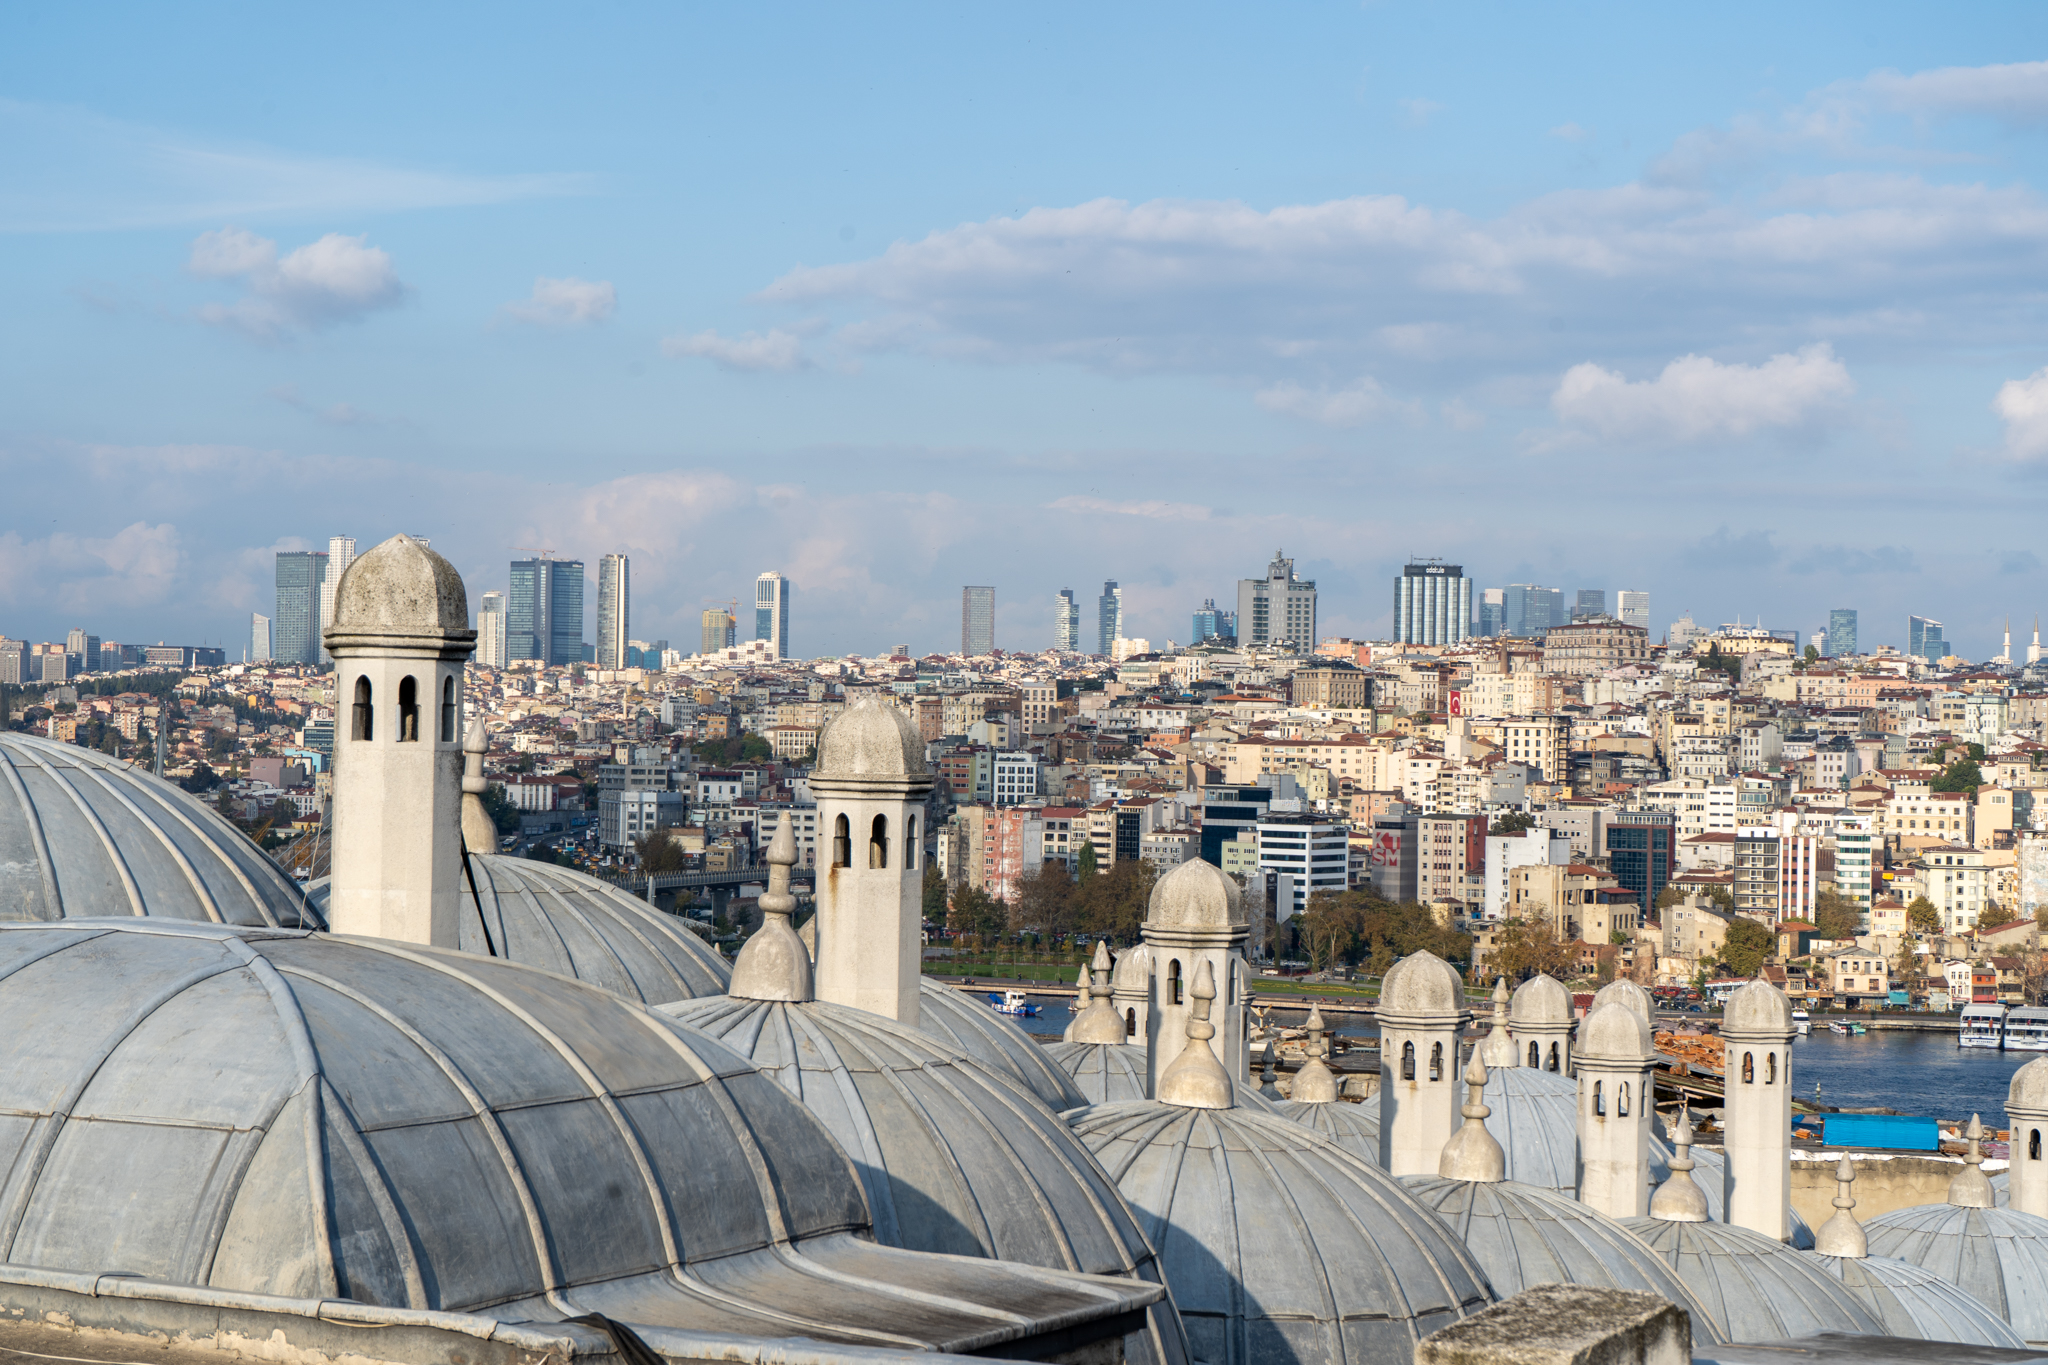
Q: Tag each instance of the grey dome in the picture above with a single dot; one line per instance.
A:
(1104, 1073)
(1353, 1127)
(1540, 1000)
(1912, 1301)
(285, 1113)
(566, 922)
(1279, 1247)
(870, 739)
(1997, 1256)
(1710, 1174)
(82, 834)
(971, 1026)
(1754, 1287)
(1524, 1236)
(2028, 1088)
(401, 587)
(1757, 1007)
(1196, 895)
(1628, 993)
(1422, 984)
(955, 1156)
(1535, 1119)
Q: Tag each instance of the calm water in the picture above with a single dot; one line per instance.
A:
(1914, 1073)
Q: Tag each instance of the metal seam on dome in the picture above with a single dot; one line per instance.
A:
(52, 897)
(480, 1110)
(603, 944)
(220, 851)
(480, 871)
(935, 1131)
(192, 878)
(99, 827)
(1305, 1232)
(639, 911)
(869, 1285)
(1372, 1190)
(252, 1139)
(60, 1111)
(350, 1133)
(523, 891)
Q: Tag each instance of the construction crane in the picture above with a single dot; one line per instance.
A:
(533, 550)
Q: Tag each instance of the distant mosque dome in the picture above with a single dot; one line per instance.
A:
(1104, 1073)
(567, 922)
(283, 1113)
(870, 739)
(956, 1156)
(1353, 1127)
(1754, 1287)
(1535, 1119)
(1912, 1301)
(82, 834)
(1998, 1256)
(1524, 1236)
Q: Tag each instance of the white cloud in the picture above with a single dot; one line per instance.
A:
(567, 302)
(2016, 92)
(771, 350)
(2023, 405)
(1570, 132)
(137, 565)
(1358, 402)
(335, 279)
(1697, 397)
(1150, 509)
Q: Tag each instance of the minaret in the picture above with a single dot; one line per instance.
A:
(2026, 1104)
(1195, 1079)
(1970, 1188)
(1422, 1017)
(399, 638)
(1499, 1049)
(1473, 1153)
(1540, 1021)
(1615, 1063)
(2034, 649)
(871, 782)
(1314, 1083)
(1680, 1199)
(1098, 1023)
(1756, 1034)
(1196, 918)
(1842, 1235)
(775, 965)
(2005, 653)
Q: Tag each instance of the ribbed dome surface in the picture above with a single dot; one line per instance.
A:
(955, 1156)
(1535, 1119)
(82, 834)
(1104, 1073)
(1912, 1301)
(563, 921)
(1354, 1127)
(966, 1022)
(1997, 1256)
(1280, 1248)
(1755, 1288)
(292, 1114)
(1524, 1236)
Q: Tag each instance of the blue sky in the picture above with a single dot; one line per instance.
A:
(1741, 307)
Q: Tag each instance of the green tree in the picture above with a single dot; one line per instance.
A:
(1088, 860)
(1526, 948)
(1747, 945)
(1723, 899)
(934, 893)
(499, 807)
(976, 912)
(1835, 915)
(1514, 822)
(1113, 903)
(1906, 966)
(1963, 775)
(658, 852)
(1922, 917)
(1046, 901)
(1810, 657)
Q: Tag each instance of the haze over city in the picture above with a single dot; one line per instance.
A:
(1739, 308)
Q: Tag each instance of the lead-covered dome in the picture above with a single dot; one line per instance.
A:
(2028, 1088)
(871, 738)
(1523, 1236)
(1758, 1007)
(1196, 895)
(1998, 1256)
(1755, 1287)
(82, 834)
(1104, 1073)
(285, 1113)
(1912, 1301)
(1422, 984)
(955, 1157)
(400, 587)
(566, 922)
(1279, 1247)
(1353, 1127)
(1541, 1000)
(1534, 1115)
(958, 1019)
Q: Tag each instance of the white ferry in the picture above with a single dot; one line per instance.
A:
(2026, 1029)
(1983, 1026)
(1012, 1002)
(1801, 1020)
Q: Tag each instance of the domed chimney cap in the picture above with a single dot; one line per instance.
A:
(2029, 1089)
(1613, 1033)
(1540, 1001)
(1198, 896)
(400, 588)
(1758, 1008)
(1422, 986)
(871, 740)
(1628, 993)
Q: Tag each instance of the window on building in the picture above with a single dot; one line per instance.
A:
(408, 710)
(842, 843)
(362, 724)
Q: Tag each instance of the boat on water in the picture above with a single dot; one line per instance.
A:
(2026, 1029)
(1012, 1002)
(1982, 1026)
(1801, 1020)
(1837, 1026)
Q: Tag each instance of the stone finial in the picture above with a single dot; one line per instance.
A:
(1971, 1188)
(1314, 1084)
(1499, 1049)
(1196, 1079)
(1472, 1153)
(1842, 1235)
(1099, 1023)
(774, 965)
(1679, 1199)
(479, 831)
(1269, 1075)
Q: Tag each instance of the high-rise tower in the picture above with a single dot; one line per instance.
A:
(1278, 609)
(1066, 621)
(977, 621)
(719, 629)
(1841, 632)
(295, 635)
(614, 604)
(1432, 603)
(771, 611)
(1109, 613)
(490, 630)
(341, 552)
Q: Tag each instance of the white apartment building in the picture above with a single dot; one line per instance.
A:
(1958, 882)
(803, 827)
(1853, 866)
(1506, 852)
(1703, 805)
(1538, 741)
(1016, 778)
(1314, 853)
